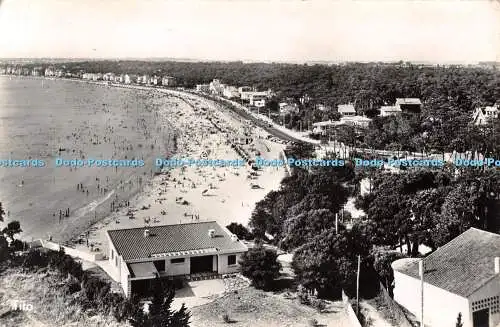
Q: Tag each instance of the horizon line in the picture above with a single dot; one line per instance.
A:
(247, 61)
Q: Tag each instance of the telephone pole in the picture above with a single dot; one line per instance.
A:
(357, 285)
(421, 273)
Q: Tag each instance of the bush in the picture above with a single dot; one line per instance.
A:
(72, 286)
(17, 245)
(261, 266)
(241, 231)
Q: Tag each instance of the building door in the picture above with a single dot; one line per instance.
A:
(481, 318)
(202, 264)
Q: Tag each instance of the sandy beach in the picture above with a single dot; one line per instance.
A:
(204, 129)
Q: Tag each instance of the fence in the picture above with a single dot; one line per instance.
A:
(398, 313)
(350, 311)
(93, 257)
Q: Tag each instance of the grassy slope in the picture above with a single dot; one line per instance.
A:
(51, 306)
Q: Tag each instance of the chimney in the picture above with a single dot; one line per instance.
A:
(234, 238)
(421, 268)
(146, 233)
(497, 265)
(211, 233)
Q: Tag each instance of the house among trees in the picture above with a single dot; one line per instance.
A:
(483, 116)
(168, 81)
(203, 87)
(463, 276)
(139, 255)
(409, 105)
(346, 110)
(389, 111)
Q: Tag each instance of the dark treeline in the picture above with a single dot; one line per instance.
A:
(370, 85)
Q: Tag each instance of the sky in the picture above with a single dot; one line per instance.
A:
(253, 30)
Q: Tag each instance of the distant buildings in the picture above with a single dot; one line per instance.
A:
(49, 72)
(358, 121)
(346, 110)
(245, 92)
(322, 107)
(258, 99)
(324, 127)
(231, 92)
(483, 116)
(409, 105)
(168, 81)
(389, 111)
(462, 276)
(203, 88)
(216, 87)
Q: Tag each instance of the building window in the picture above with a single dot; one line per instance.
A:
(231, 260)
(112, 254)
(177, 260)
(159, 265)
(116, 261)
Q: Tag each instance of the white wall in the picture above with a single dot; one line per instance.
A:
(490, 289)
(222, 266)
(125, 278)
(88, 256)
(172, 269)
(441, 307)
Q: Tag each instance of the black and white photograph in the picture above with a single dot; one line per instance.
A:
(249, 163)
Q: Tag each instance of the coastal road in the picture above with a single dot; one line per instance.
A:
(235, 107)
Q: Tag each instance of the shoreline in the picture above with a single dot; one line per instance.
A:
(193, 120)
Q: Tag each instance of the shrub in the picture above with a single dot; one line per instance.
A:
(226, 318)
(261, 266)
(241, 231)
(72, 286)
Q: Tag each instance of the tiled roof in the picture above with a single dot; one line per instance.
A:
(132, 244)
(462, 265)
(345, 108)
(408, 101)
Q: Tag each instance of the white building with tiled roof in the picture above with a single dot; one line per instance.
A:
(463, 276)
(139, 255)
(346, 110)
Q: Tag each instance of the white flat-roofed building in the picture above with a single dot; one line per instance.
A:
(257, 97)
(359, 121)
(409, 105)
(389, 111)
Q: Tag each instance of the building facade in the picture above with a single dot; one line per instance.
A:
(346, 110)
(386, 111)
(483, 116)
(139, 255)
(463, 276)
